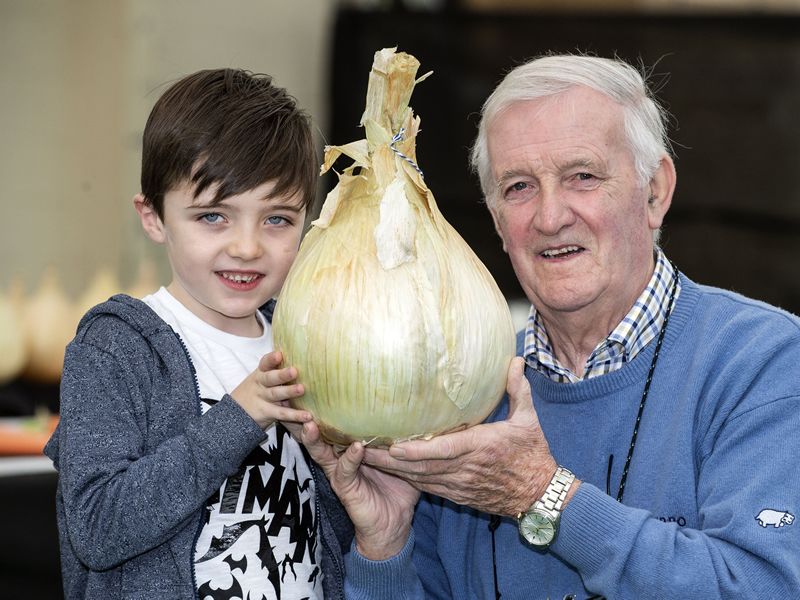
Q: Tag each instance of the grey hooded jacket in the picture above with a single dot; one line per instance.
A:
(137, 462)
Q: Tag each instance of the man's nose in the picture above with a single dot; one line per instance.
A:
(553, 212)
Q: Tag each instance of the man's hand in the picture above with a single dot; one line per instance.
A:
(499, 468)
(265, 393)
(380, 505)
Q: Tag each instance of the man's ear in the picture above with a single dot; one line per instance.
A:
(661, 188)
(497, 228)
(151, 222)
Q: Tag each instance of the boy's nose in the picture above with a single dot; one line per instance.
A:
(245, 245)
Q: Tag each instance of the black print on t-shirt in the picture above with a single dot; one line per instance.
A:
(235, 591)
(278, 495)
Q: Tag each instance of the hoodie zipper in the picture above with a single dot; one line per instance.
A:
(335, 556)
(199, 413)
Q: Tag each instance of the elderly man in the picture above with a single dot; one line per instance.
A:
(648, 446)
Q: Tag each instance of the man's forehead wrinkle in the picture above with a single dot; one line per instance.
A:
(567, 163)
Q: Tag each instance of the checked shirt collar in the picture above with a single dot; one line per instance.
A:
(634, 332)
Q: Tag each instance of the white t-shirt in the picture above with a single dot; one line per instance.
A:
(259, 539)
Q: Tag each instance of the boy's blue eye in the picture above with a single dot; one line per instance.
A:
(276, 220)
(211, 217)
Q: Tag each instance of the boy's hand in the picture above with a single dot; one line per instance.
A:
(265, 393)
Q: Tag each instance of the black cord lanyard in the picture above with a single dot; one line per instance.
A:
(635, 434)
(494, 520)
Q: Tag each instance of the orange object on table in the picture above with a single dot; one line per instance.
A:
(21, 436)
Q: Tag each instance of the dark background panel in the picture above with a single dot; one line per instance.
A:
(731, 84)
(29, 556)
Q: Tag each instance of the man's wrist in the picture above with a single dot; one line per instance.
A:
(538, 486)
(381, 547)
(540, 489)
(571, 492)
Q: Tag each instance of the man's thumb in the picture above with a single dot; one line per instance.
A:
(518, 388)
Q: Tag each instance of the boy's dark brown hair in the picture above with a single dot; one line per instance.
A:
(231, 128)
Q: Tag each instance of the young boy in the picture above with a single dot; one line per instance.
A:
(176, 479)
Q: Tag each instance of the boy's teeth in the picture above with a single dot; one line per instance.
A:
(239, 278)
(560, 251)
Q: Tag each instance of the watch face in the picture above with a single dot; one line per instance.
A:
(537, 528)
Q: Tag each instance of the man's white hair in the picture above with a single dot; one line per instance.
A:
(644, 118)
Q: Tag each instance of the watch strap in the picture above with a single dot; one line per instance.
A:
(556, 492)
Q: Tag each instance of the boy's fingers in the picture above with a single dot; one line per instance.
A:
(292, 415)
(279, 393)
(275, 377)
(270, 361)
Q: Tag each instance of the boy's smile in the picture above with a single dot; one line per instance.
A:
(240, 281)
(228, 258)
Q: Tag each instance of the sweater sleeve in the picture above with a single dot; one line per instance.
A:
(391, 579)
(415, 573)
(624, 552)
(122, 495)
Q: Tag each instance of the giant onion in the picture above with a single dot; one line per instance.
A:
(397, 329)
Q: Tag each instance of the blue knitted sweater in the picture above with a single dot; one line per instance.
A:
(710, 499)
(137, 462)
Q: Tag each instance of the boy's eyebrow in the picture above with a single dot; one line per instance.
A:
(289, 207)
(201, 205)
(211, 205)
(197, 202)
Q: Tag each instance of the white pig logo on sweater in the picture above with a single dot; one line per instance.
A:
(776, 518)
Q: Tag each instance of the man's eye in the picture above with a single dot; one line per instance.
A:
(211, 217)
(585, 176)
(517, 189)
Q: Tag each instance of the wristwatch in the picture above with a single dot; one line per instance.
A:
(539, 524)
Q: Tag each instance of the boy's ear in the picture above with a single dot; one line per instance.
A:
(151, 222)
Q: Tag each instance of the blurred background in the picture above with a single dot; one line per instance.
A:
(79, 77)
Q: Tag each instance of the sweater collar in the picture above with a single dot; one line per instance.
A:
(635, 371)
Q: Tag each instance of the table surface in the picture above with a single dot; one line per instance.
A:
(25, 465)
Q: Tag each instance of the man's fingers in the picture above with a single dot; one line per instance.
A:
(407, 469)
(518, 388)
(341, 470)
(349, 463)
(446, 446)
(294, 429)
(321, 452)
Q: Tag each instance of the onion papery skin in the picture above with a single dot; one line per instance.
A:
(397, 329)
